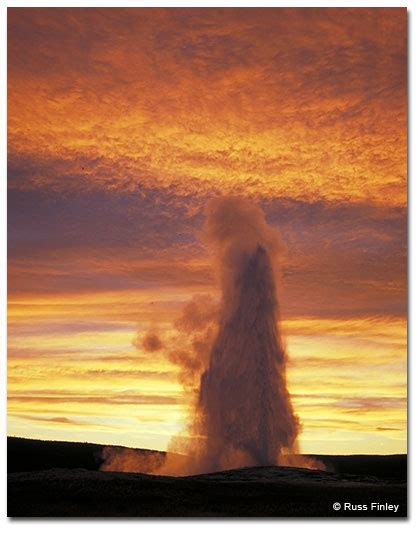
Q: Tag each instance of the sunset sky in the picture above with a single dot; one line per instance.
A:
(122, 124)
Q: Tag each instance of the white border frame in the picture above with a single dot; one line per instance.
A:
(180, 526)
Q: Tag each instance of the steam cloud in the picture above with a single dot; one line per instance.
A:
(245, 414)
(234, 360)
(151, 343)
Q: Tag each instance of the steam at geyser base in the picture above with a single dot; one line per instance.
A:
(232, 359)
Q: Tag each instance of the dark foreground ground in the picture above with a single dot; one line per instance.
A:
(48, 479)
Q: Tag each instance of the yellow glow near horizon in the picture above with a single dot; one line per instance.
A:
(346, 377)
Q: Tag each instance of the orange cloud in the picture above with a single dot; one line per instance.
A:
(305, 103)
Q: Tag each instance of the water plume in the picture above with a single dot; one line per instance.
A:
(244, 409)
(234, 360)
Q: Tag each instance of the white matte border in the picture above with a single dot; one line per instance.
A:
(180, 526)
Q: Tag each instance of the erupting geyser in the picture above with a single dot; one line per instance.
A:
(233, 356)
(246, 416)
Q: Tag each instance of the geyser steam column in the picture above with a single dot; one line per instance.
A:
(246, 414)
